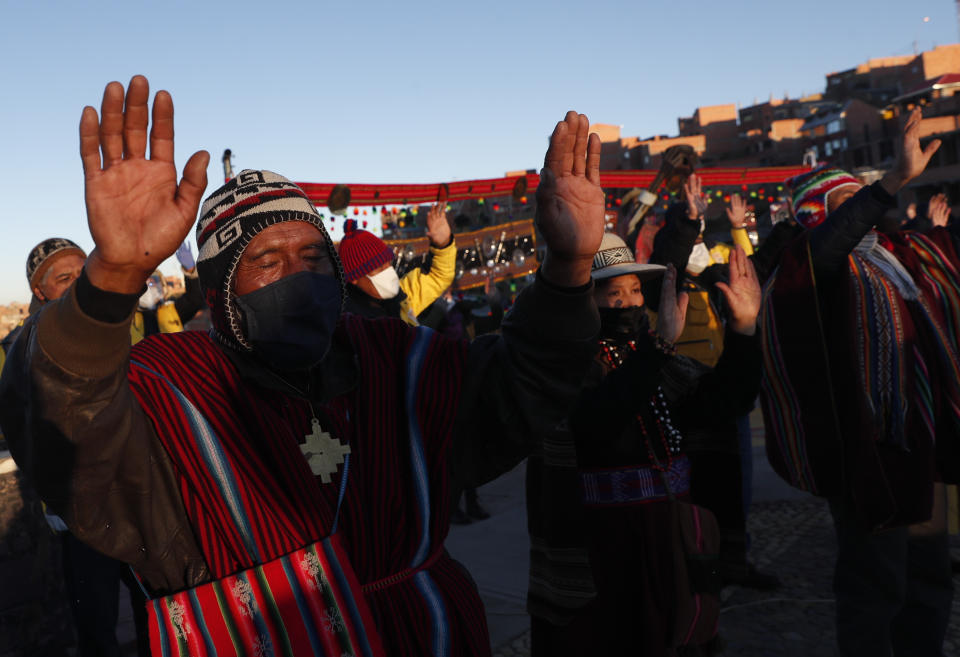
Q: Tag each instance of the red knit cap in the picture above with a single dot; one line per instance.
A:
(361, 252)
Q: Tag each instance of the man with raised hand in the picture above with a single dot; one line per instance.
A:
(282, 484)
(861, 397)
(373, 287)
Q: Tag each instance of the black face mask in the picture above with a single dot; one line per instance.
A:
(623, 322)
(290, 323)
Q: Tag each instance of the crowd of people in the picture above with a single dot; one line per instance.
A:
(283, 482)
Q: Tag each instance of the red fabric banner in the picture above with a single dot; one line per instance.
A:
(362, 194)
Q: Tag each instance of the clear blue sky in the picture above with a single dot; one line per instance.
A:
(398, 91)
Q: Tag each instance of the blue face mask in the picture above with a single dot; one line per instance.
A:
(290, 323)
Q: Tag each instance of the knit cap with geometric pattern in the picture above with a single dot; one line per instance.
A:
(232, 216)
(810, 192)
(41, 257)
(361, 252)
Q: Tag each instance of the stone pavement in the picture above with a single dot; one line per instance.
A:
(495, 551)
(792, 535)
(795, 540)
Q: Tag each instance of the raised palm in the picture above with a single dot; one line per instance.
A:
(137, 213)
(672, 313)
(438, 228)
(737, 212)
(938, 210)
(743, 293)
(570, 202)
(914, 158)
(696, 203)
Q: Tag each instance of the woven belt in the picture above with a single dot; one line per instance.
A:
(633, 485)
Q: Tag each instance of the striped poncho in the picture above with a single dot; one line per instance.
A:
(861, 387)
(394, 516)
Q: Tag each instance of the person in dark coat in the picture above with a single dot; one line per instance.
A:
(861, 397)
(603, 564)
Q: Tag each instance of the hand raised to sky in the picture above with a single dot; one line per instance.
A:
(570, 202)
(672, 313)
(696, 203)
(438, 228)
(137, 213)
(913, 159)
(737, 212)
(743, 293)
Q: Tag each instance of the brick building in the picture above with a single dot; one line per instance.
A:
(853, 124)
(625, 153)
(770, 132)
(852, 135)
(879, 81)
(718, 126)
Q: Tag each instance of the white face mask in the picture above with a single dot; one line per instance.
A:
(386, 283)
(699, 258)
(151, 298)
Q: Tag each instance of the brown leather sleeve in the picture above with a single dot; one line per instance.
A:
(76, 430)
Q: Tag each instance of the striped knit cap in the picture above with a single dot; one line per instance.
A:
(231, 217)
(810, 193)
(41, 256)
(361, 252)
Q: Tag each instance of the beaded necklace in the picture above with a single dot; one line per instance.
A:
(614, 353)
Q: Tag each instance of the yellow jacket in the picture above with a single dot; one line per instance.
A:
(721, 252)
(423, 289)
(702, 337)
(167, 319)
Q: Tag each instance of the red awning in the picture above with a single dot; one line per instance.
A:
(362, 194)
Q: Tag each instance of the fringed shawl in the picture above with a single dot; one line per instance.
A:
(935, 266)
(856, 394)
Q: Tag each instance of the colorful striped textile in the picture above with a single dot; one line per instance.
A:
(801, 398)
(936, 270)
(634, 485)
(802, 438)
(304, 603)
(861, 395)
(881, 350)
(786, 437)
(396, 502)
